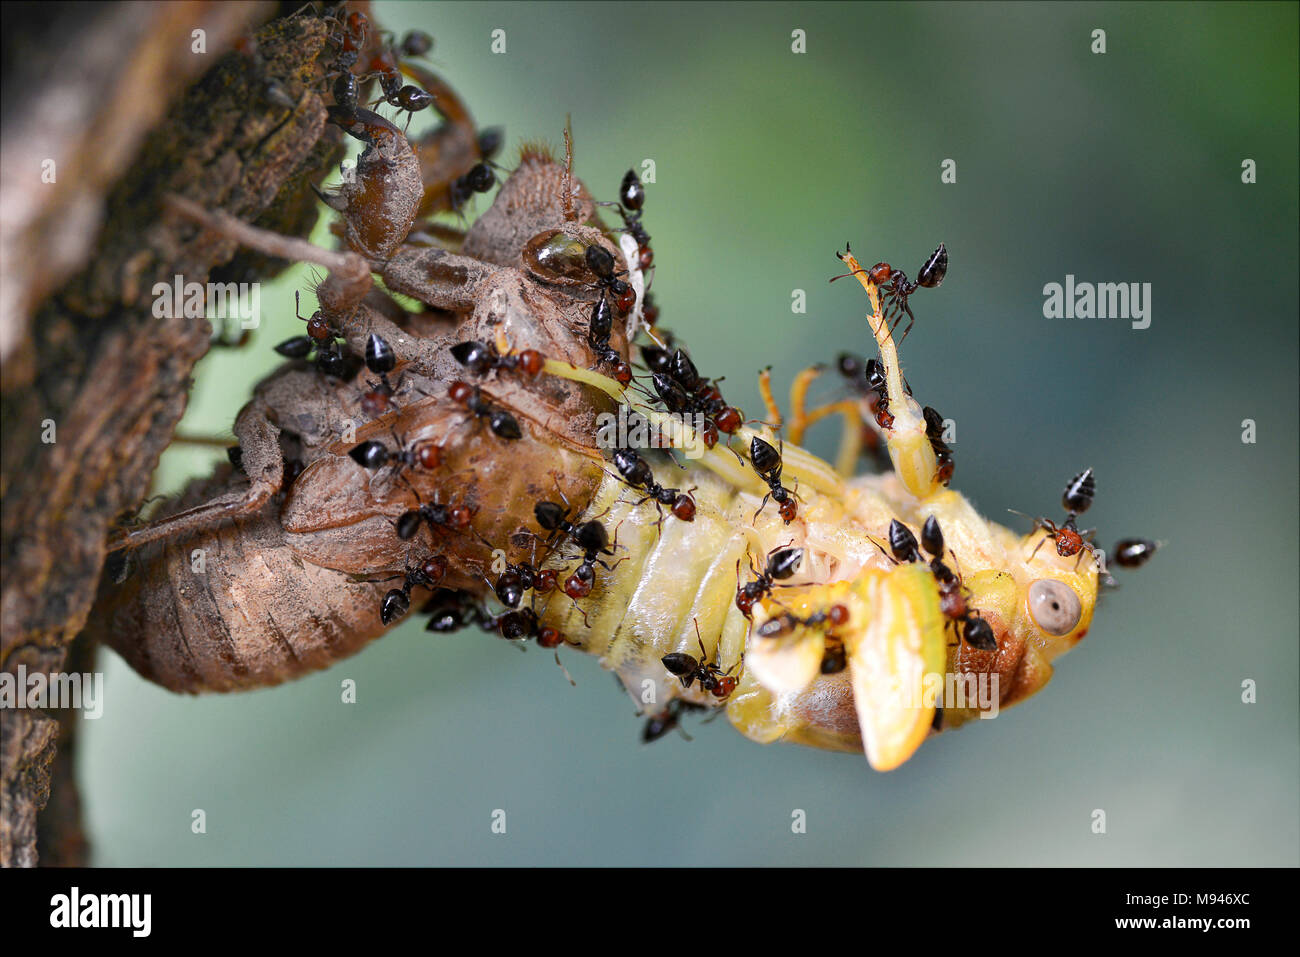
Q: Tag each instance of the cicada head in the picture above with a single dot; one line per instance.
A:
(911, 672)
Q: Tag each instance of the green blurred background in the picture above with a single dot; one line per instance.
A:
(1122, 167)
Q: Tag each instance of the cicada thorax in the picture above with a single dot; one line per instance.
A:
(344, 516)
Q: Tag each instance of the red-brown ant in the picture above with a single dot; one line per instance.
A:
(1076, 499)
(502, 423)
(331, 359)
(637, 473)
(701, 395)
(767, 463)
(689, 669)
(631, 196)
(781, 563)
(895, 288)
(592, 538)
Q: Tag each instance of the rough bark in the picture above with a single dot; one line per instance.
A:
(138, 116)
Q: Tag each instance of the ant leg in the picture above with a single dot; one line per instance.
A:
(910, 319)
(263, 463)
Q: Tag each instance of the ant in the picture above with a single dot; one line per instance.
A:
(502, 423)
(350, 39)
(592, 538)
(381, 360)
(657, 725)
(331, 359)
(1076, 499)
(599, 328)
(689, 669)
(451, 611)
(703, 395)
(451, 517)
(942, 451)
(397, 602)
(781, 563)
(895, 288)
(479, 179)
(637, 473)
(481, 358)
(601, 262)
(373, 454)
(631, 197)
(519, 578)
(767, 463)
(834, 657)
(1134, 552)
(977, 632)
(406, 97)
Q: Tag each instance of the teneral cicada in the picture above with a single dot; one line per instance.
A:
(462, 465)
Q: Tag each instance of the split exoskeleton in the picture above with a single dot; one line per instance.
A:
(264, 572)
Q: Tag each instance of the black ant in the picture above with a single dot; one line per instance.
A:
(682, 389)
(942, 451)
(977, 632)
(451, 611)
(373, 455)
(834, 656)
(657, 725)
(895, 288)
(481, 358)
(1134, 552)
(397, 602)
(599, 328)
(331, 359)
(689, 669)
(520, 577)
(592, 538)
(781, 563)
(381, 360)
(479, 179)
(502, 423)
(631, 196)
(767, 463)
(1076, 499)
(405, 97)
(601, 262)
(637, 473)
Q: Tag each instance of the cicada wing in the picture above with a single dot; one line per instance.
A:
(894, 662)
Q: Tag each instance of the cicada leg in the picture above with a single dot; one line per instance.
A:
(914, 458)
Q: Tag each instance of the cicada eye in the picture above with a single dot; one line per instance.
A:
(1054, 605)
(554, 256)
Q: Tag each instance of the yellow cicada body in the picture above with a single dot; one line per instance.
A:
(864, 644)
